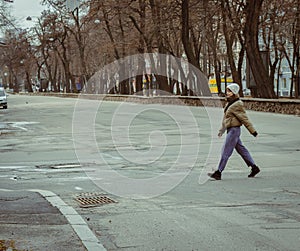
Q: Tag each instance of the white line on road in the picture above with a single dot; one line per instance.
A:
(89, 240)
(12, 167)
(20, 124)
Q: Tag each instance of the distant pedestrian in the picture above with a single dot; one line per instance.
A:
(234, 117)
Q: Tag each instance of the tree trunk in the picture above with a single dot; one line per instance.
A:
(185, 34)
(28, 82)
(81, 47)
(264, 85)
(139, 77)
(297, 45)
(185, 37)
(229, 39)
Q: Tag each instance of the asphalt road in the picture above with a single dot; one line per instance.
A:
(152, 160)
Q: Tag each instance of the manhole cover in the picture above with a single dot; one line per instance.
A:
(93, 199)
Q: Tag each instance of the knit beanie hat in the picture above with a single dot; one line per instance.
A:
(234, 88)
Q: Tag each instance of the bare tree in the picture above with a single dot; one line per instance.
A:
(264, 84)
(288, 38)
(187, 41)
(213, 35)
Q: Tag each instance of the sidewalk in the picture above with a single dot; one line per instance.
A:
(40, 220)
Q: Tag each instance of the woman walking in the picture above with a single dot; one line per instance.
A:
(234, 117)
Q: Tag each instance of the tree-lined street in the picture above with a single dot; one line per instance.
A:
(90, 174)
(252, 43)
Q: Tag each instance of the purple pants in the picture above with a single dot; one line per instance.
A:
(233, 141)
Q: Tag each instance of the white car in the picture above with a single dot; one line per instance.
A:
(3, 98)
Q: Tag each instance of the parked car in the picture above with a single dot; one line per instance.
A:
(3, 98)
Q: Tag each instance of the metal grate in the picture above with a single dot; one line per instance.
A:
(93, 199)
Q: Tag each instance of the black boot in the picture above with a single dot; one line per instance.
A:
(254, 170)
(216, 175)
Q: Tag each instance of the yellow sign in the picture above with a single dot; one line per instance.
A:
(213, 84)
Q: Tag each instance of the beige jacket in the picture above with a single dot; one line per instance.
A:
(235, 115)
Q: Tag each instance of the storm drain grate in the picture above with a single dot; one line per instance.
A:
(93, 199)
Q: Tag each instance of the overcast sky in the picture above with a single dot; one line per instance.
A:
(24, 8)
